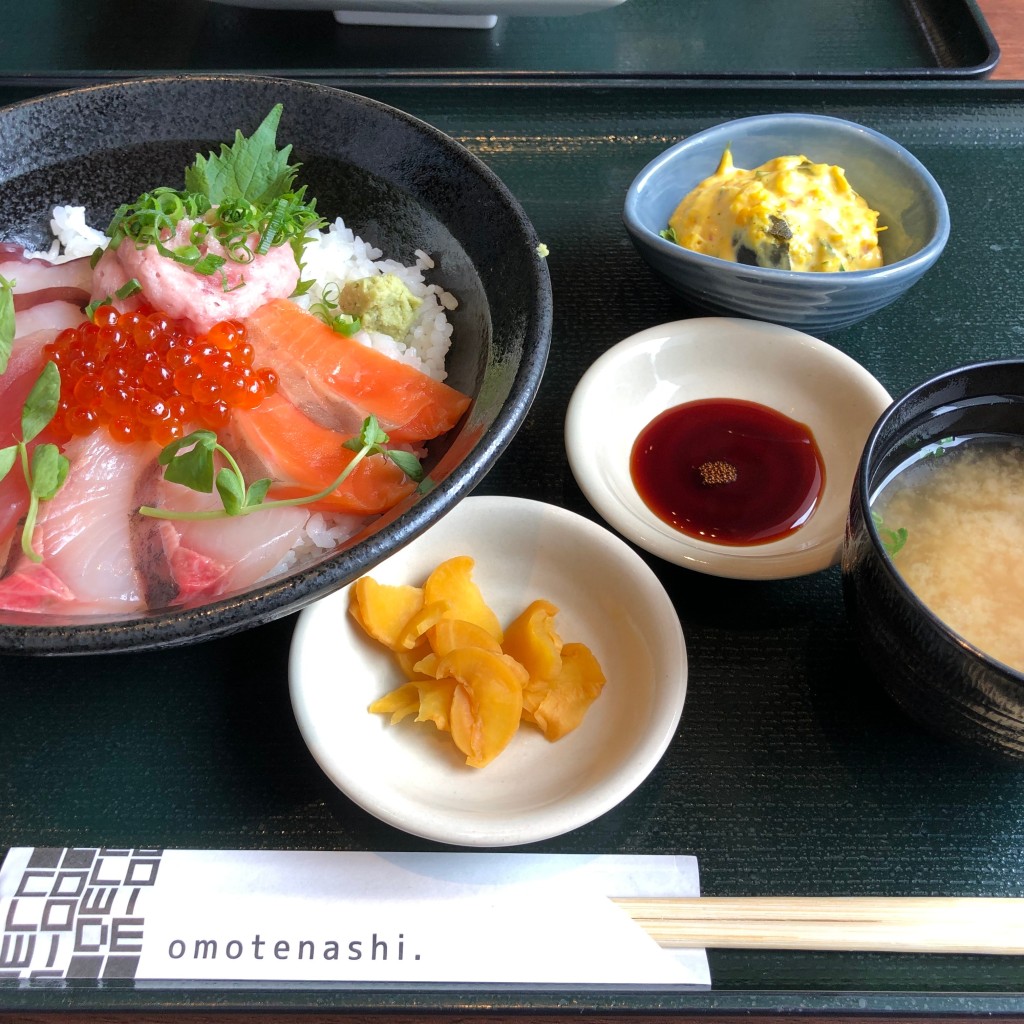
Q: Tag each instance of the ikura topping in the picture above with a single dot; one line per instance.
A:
(146, 377)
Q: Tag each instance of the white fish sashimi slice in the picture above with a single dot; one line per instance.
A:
(84, 533)
(38, 280)
(53, 316)
(209, 559)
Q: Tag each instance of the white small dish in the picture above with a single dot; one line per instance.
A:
(410, 775)
(793, 373)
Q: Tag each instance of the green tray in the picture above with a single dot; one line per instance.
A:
(64, 42)
(792, 772)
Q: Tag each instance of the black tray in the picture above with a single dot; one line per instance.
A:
(63, 42)
(792, 772)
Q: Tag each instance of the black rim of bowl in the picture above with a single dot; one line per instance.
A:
(292, 592)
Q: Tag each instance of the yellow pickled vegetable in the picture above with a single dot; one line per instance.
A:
(465, 673)
(452, 581)
(487, 704)
(531, 639)
(558, 705)
(384, 611)
(789, 213)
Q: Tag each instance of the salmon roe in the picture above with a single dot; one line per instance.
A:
(146, 377)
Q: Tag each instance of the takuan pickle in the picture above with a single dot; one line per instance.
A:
(466, 674)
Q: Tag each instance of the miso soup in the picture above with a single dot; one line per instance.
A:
(961, 505)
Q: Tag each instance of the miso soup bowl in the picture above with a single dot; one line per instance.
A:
(939, 678)
(911, 208)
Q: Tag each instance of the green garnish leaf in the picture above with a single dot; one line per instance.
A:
(128, 289)
(252, 168)
(257, 491)
(41, 403)
(6, 322)
(49, 471)
(189, 460)
(8, 456)
(329, 311)
(892, 540)
(669, 234)
(407, 463)
(231, 492)
(193, 470)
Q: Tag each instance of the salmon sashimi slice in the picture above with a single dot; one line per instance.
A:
(316, 364)
(304, 458)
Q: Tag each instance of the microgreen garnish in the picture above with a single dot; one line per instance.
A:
(328, 310)
(245, 190)
(892, 540)
(47, 469)
(6, 321)
(669, 234)
(190, 461)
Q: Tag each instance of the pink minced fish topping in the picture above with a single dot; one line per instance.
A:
(233, 292)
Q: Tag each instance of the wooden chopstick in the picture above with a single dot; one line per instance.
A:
(884, 924)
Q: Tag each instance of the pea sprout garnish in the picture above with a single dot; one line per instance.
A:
(6, 321)
(47, 469)
(190, 461)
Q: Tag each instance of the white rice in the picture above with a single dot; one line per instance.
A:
(338, 255)
(72, 236)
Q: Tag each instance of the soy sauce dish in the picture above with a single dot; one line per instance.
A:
(736, 445)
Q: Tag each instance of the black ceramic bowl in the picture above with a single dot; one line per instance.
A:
(935, 675)
(398, 182)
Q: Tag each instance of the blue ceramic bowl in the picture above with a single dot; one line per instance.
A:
(939, 678)
(910, 204)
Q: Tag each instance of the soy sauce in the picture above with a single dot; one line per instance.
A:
(729, 471)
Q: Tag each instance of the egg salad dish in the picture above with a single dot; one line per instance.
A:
(788, 214)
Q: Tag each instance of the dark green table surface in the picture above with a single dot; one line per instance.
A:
(792, 773)
(68, 41)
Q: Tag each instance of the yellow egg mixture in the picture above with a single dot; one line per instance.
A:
(789, 214)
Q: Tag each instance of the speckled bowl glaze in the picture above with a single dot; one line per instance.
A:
(936, 676)
(910, 203)
(397, 181)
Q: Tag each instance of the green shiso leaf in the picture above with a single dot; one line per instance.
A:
(251, 168)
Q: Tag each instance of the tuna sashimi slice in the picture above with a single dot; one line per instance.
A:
(34, 587)
(303, 458)
(317, 364)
